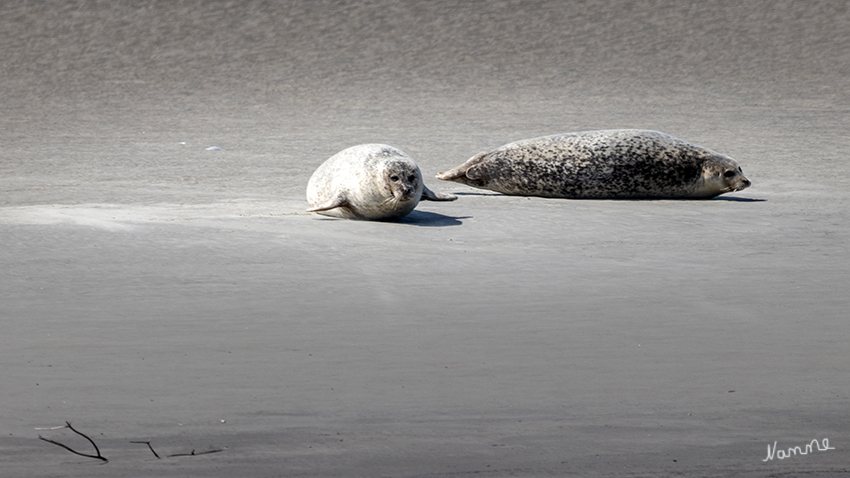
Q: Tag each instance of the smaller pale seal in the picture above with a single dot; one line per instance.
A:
(369, 181)
(610, 164)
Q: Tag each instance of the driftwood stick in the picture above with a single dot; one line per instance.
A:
(87, 438)
(148, 443)
(101, 457)
(68, 425)
(196, 454)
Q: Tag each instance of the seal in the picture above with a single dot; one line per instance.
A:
(370, 181)
(608, 164)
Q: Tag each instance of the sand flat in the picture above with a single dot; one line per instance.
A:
(153, 289)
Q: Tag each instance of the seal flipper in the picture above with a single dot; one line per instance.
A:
(458, 174)
(428, 195)
(338, 199)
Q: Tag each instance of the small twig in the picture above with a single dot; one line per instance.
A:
(87, 438)
(68, 425)
(148, 443)
(196, 454)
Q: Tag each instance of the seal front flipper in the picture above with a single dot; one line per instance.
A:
(428, 195)
(339, 199)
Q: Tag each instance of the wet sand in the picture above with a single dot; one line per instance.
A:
(156, 290)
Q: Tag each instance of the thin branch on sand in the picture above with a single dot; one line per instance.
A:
(101, 457)
(196, 454)
(68, 425)
(148, 443)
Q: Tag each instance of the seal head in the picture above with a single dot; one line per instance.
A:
(721, 174)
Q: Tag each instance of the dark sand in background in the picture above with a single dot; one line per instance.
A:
(155, 290)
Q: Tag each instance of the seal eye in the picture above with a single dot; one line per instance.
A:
(394, 178)
(411, 178)
(729, 174)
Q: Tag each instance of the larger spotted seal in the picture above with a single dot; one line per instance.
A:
(369, 181)
(609, 164)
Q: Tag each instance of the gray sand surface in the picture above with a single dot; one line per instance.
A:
(151, 289)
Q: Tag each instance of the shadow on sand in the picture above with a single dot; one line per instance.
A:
(431, 219)
(737, 199)
(415, 218)
(716, 198)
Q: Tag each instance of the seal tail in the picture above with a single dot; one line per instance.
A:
(458, 174)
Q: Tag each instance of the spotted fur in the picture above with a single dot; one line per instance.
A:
(609, 164)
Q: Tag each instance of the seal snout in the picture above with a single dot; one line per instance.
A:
(404, 193)
(744, 183)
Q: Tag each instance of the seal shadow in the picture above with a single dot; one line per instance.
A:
(716, 198)
(477, 194)
(414, 218)
(737, 199)
(431, 219)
